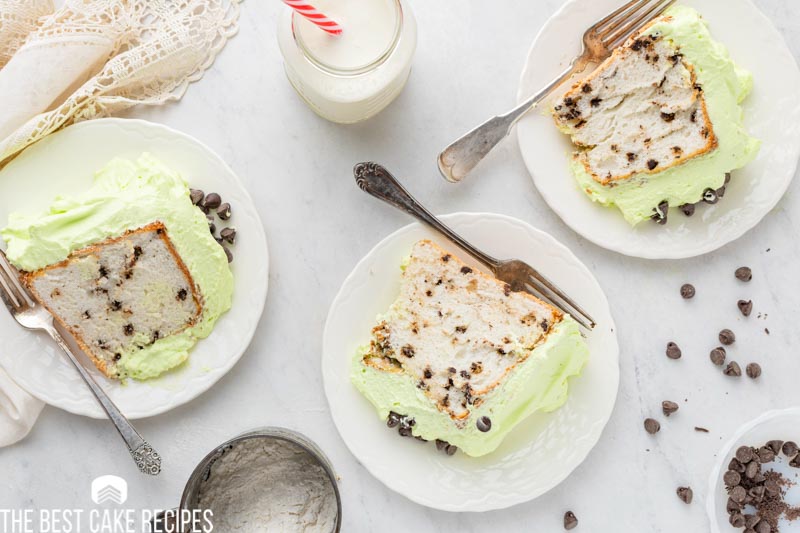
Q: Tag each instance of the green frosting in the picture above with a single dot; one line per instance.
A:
(128, 195)
(540, 383)
(725, 86)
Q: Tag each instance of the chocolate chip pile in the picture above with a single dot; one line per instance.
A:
(710, 196)
(726, 337)
(750, 488)
(211, 204)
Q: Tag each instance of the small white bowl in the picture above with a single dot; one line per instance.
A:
(780, 424)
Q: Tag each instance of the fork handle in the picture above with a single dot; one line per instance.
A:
(147, 460)
(379, 182)
(458, 159)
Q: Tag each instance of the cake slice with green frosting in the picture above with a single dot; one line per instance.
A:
(461, 359)
(659, 125)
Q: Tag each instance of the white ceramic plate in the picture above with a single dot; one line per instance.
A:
(65, 162)
(772, 114)
(784, 424)
(542, 450)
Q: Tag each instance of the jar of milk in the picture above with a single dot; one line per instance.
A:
(352, 76)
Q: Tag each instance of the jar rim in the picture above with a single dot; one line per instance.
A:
(353, 71)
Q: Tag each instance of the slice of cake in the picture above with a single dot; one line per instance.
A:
(120, 295)
(658, 124)
(461, 359)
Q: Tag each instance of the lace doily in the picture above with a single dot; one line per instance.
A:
(100, 57)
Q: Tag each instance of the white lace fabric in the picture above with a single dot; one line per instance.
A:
(87, 59)
(93, 58)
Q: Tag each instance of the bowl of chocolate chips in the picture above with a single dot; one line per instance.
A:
(755, 485)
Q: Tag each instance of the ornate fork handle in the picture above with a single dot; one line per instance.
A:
(147, 460)
(379, 182)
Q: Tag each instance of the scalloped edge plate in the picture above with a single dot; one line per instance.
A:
(66, 161)
(772, 113)
(542, 451)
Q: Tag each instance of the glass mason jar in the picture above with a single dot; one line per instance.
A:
(350, 77)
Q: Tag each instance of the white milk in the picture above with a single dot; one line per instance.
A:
(349, 77)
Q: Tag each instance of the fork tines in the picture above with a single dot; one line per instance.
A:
(618, 26)
(13, 293)
(543, 288)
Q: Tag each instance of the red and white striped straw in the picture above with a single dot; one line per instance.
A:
(311, 13)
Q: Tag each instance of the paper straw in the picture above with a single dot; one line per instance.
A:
(311, 13)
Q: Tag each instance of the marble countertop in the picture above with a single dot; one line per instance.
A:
(298, 169)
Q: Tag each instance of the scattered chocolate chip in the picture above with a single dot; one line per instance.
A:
(790, 448)
(765, 455)
(484, 424)
(687, 291)
(775, 446)
(228, 254)
(212, 201)
(745, 454)
(732, 478)
(196, 195)
(753, 370)
(224, 211)
(204, 209)
(752, 469)
(393, 420)
(673, 352)
(404, 431)
(441, 444)
(744, 274)
(652, 426)
(700, 429)
(668, 407)
(661, 213)
(685, 494)
(732, 506)
(710, 196)
(570, 520)
(727, 337)
(450, 450)
(736, 519)
(718, 356)
(687, 209)
(228, 235)
(733, 370)
(795, 463)
(745, 306)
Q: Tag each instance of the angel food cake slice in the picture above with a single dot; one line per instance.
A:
(128, 267)
(461, 359)
(120, 296)
(659, 124)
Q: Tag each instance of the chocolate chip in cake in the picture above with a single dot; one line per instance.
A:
(687, 291)
(673, 351)
(685, 494)
(224, 211)
(128, 329)
(718, 356)
(117, 356)
(570, 520)
(687, 209)
(182, 294)
(212, 201)
(393, 420)
(733, 370)
(727, 337)
(404, 431)
(753, 370)
(667, 117)
(710, 196)
(652, 164)
(669, 407)
(652, 426)
(87, 315)
(744, 274)
(466, 270)
(407, 350)
(661, 213)
(484, 424)
(196, 195)
(461, 329)
(745, 307)
(790, 448)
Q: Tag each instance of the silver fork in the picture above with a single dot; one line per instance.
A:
(377, 181)
(599, 41)
(32, 315)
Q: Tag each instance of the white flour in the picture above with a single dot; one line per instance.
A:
(269, 485)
